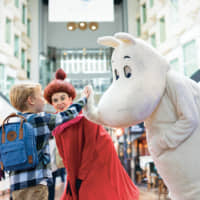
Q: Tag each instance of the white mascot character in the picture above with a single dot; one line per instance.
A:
(145, 89)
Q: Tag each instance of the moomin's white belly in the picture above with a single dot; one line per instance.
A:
(180, 169)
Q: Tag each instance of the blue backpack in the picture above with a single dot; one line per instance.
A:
(17, 145)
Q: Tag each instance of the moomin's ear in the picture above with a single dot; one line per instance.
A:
(108, 41)
(125, 37)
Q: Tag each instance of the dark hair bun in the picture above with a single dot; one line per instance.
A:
(60, 74)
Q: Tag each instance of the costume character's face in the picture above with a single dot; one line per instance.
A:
(139, 75)
(61, 101)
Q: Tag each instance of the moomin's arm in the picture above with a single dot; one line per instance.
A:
(180, 93)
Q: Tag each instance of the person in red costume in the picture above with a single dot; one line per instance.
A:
(88, 153)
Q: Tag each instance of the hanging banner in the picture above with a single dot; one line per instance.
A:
(81, 10)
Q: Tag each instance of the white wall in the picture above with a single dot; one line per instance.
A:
(58, 36)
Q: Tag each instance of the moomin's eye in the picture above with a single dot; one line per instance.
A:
(116, 74)
(127, 71)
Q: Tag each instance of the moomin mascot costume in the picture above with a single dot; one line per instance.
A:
(145, 89)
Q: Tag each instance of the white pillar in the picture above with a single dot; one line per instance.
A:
(34, 9)
(132, 11)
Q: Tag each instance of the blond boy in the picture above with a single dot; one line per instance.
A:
(28, 100)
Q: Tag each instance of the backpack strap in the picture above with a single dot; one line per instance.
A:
(1, 165)
(21, 124)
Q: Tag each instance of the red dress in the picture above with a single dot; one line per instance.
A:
(88, 154)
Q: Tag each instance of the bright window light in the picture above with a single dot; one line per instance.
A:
(81, 10)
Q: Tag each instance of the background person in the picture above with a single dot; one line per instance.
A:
(57, 167)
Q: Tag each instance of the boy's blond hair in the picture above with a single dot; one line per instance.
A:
(19, 94)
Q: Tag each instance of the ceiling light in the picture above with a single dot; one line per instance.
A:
(93, 26)
(71, 26)
(82, 25)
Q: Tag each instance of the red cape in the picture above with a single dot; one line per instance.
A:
(88, 153)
